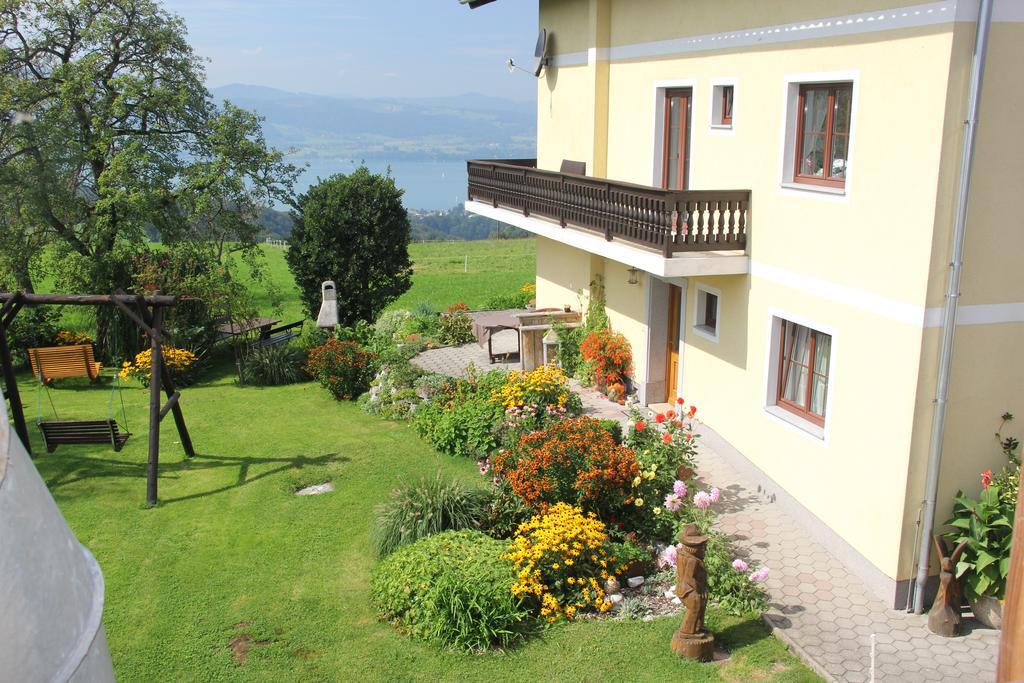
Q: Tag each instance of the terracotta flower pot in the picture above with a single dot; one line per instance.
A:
(988, 610)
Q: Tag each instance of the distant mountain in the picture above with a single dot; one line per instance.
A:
(320, 127)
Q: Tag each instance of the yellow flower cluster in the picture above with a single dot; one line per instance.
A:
(174, 359)
(528, 288)
(562, 562)
(69, 338)
(547, 385)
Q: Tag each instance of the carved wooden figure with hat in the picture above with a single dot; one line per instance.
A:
(692, 640)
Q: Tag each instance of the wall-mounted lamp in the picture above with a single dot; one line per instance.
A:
(634, 276)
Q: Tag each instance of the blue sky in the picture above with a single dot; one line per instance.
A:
(369, 48)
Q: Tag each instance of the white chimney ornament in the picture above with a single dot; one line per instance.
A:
(329, 307)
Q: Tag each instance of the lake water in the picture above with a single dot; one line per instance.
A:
(427, 184)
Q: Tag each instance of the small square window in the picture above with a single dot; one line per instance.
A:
(705, 320)
(723, 97)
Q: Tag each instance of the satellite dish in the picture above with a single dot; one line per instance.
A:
(541, 58)
(540, 53)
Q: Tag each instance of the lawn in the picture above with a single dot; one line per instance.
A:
(443, 273)
(231, 556)
(234, 578)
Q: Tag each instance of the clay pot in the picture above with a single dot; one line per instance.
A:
(988, 610)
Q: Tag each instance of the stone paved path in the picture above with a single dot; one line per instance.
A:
(825, 612)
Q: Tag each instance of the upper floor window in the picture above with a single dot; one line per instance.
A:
(823, 134)
(722, 97)
(804, 357)
(727, 105)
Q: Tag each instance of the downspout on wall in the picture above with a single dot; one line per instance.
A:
(949, 311)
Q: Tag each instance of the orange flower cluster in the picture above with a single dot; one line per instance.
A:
(611, 355)
(342, 367)
(573, 460)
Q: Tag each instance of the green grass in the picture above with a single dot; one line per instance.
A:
(440, 278)
(230, 552)
(443, 273)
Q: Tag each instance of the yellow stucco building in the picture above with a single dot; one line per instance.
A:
(770, 197)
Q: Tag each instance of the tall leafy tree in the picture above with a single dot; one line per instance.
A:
(354, 230)
(111, 133)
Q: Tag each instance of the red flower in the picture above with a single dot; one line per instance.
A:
(680, 400)
(670, 414)
(986, 478)
(693, 410)
(659, 418)
(639, 426)
(667, 438)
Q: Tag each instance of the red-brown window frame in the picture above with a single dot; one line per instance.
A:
(795, 408)
(682, 165)
(827, 180)
(726, 104)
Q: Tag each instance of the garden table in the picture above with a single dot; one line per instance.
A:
(486, 325)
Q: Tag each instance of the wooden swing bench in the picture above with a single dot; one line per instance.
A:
(82, 432)
(60, 362)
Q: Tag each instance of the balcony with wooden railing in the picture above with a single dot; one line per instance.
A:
(669, 221)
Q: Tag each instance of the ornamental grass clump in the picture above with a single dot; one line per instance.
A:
(562, 561)
(425, 508)
(454, 589)
(576, 461)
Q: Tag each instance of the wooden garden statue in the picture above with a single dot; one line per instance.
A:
(944, 617)
(692, 640)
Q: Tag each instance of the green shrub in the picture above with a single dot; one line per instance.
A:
(613, 427)
(503, 512)
(425, 508)
(460, 419)
(732, 590)
(521, 298)
(453, 589)
(269, 366)
(392, 393)
(32, 328)
(341, 367)
(455, 326)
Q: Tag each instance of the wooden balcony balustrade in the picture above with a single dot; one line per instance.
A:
(667, 220)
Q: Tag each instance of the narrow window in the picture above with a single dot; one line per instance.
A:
(823, 134)
(706, 315)
(727, 105)
(804, 356)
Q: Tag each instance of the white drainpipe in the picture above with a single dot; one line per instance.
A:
(952, 298)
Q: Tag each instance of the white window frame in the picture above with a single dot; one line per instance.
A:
(715, 115)
(699, 304)
(775, 412)
(787, 145)
(658, 131)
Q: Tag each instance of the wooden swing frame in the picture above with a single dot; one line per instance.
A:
(148, 313)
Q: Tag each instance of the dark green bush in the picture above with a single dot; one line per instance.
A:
(614, 428)
(453, 589)
(503, 512)
(32, 328)
(425, 508)
(270, 366)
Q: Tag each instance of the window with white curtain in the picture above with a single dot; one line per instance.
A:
(804, 358)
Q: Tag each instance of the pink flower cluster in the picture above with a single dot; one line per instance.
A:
(705, 499)
(667, 557)
(674, 501)
(759, 574)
